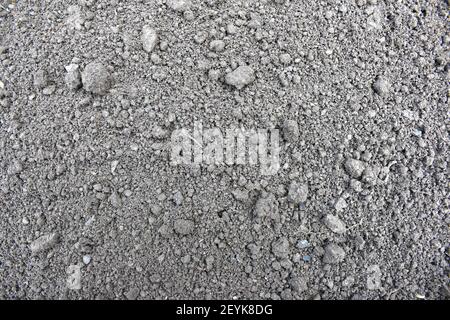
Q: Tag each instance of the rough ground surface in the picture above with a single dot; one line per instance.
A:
(91, 208)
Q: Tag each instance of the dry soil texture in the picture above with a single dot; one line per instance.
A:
(91, 206)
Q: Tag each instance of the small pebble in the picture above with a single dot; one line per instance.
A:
(96, 78)
(149, 38)
(241, 77)
(217, 45)
(86, 259)
(298, 192)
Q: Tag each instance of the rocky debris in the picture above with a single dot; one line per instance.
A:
(165, 231)
(298, 192)
(356, 185)
(158, 133)
(85, 245)
(96, 78)
(254, 250)
(209, 263)
(183, 226)
(241, 77)
(280, 248)
(49, 90)
(73, 77)
(290, 131)
(178, 198)
(333, 254)
(132, 294)
(44, 242)
(382, 86)
(370, 175)
(348, 281)
(200, 37)
(340, 204)
(74, 277)
(179, 5)
(75, 18)
(285, 58)
(334, 224)
(354, 168)
(373, 277)
(267, 206)
(87, 259)
(40, 79)
(375, 19)
(303, 244)
(115, 200)
(15, 167)
(217, 45)
(114, 165)
(298, 284)
(241, 195)
(149, 38)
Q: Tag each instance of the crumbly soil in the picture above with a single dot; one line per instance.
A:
(91, 207)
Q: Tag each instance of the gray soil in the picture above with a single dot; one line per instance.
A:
(91, 207)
